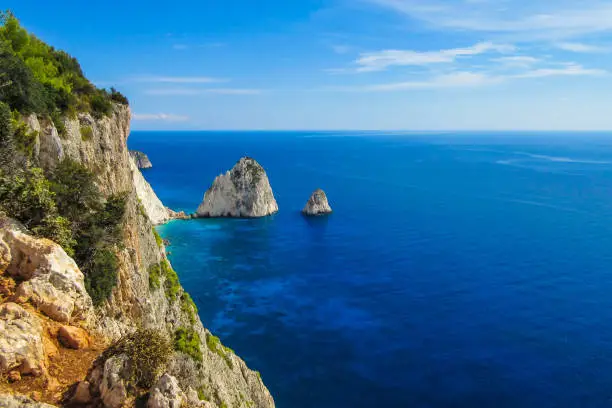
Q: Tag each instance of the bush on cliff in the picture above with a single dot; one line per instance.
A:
(36, 77)
(148, 352)
(187, 340)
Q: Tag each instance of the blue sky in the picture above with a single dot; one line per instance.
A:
(343, 64)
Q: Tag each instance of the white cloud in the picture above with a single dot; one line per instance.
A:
(539, 19)
(517, 61)
(164, 117)
(467, 79)
(380, 60)
(567, 70)
(454, 80)
(178, 79)
(191, 91)
(581, 47)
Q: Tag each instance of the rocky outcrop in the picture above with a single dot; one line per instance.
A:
(317, 204)
(142, 160)
(113, 391)
(21, 343)
(242, 192)
(20, 401)
(49, 278)
(134, 303)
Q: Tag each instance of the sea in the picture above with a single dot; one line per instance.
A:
(458, 269)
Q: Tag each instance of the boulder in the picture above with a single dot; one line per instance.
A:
(317, 204)
(73, 337)
(242, 192)
(81, 395)
(21, 342)
(5, 256)
(113, 390)
(166, 393)
(21, 401)
(51, 279)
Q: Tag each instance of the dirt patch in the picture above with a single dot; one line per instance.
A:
(66, 366)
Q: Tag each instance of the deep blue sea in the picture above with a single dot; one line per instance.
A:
(457, 270)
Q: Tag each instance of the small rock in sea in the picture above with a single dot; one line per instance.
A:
(317, 204)
(141, 159)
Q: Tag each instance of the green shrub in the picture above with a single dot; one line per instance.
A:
(26, 195)
(202, 395)
(86, 133)
(100, 104)
(148, 351)
(188, 307)
(214, 344)
(172, 285)
(75, 190)
(101, 275)
(58, 229)
(187, 341)
(118, 97)
(158, 238)
(154, 276)
(58, 122)
(24, 138)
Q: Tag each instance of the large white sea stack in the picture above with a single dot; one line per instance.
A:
(242, 192)
(317, 204)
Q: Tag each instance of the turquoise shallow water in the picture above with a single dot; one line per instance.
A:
(458, 270)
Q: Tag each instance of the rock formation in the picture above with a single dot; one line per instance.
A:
(141, 160)
(52, 289)
(242, 192)
(317, 204)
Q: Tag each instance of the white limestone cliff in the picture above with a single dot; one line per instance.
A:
(242, 192)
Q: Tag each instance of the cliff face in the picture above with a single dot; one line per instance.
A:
(220, 377)
(244, 191)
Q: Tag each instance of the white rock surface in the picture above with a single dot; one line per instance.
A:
(20, 401)
(51, 279)
(112, 389)
(21, 343)
(242, 192)
(317, 204)
(153, 206)
(166, 393)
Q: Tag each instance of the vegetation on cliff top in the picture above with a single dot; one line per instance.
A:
(37, 78)
(63, 204)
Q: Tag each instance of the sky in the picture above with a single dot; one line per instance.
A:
(343, 64)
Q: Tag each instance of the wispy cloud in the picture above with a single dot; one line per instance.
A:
(341, 49)
(164, 117)
(570, 69)
(539, 19)
(179, 79)
(517, 61)
(381, 60)
(191, 91)
(581, 47)
(454, 80)
(468, 79)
